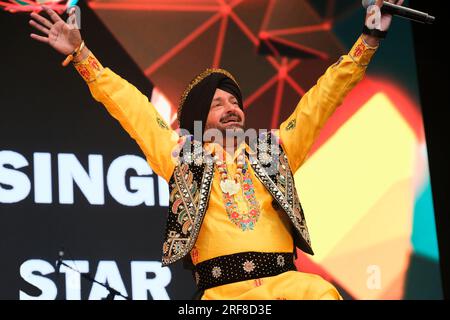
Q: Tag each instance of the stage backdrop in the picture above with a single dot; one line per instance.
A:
(71, 178)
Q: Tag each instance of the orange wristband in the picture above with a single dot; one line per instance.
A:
(74, 54)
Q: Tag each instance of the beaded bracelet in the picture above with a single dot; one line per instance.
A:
(73, 55)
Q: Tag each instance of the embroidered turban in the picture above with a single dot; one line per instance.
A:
(196, 99)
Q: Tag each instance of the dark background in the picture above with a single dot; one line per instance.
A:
(32, 122)
(433, 67)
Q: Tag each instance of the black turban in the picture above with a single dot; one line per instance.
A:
(196, 99)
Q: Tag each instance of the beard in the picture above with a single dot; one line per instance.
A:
(230, 122)
(232, 130)
(235, 126)
(229, 129)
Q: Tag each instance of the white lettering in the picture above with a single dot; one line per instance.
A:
(156, 286)
(42, 177)
(73, 278)
(47, 286)
(142, 186)
(163, 189)
(18, 182)
(107, 273)
(70, 170)
(15, 185)
(146, 277)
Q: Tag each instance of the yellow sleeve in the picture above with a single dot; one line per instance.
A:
(134, 112)
(300, 130)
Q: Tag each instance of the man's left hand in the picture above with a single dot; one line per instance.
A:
(385, 23)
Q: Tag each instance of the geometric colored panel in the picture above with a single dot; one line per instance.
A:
(424, 237)
(355, 269)
(357, 191)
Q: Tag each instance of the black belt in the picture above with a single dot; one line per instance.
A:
(241, 266)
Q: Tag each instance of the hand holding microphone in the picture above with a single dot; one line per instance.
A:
(393, 7)
(377, 23)
(379, 17)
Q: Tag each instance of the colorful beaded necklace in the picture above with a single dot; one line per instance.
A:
(230, 188)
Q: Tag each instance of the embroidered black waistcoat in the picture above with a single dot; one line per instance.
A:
(190, 187)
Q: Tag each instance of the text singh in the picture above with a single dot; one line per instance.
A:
(129, 179)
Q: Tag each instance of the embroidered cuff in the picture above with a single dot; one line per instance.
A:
(89, 68)
(362, 53)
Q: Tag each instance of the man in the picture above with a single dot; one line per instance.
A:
(234, 213)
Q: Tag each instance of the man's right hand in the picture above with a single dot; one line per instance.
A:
(63, 37)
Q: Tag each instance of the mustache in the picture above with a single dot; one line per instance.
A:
(231, 116)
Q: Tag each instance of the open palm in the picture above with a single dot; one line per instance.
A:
(63, 37)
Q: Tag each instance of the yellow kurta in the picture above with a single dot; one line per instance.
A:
(219, 235)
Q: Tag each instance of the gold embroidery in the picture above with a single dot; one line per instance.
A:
(161, 123)
(280, 260)
(89, 68)
(189, 198)
(291, 125)
(216, 272)
(188, 202)
(248, 266)
(288, 201)
(197, 277)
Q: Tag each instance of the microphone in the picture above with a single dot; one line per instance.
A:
(401, 11)
(59, 261)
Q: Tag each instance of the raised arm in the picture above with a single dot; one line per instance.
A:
(121, 99)
(300, 130)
